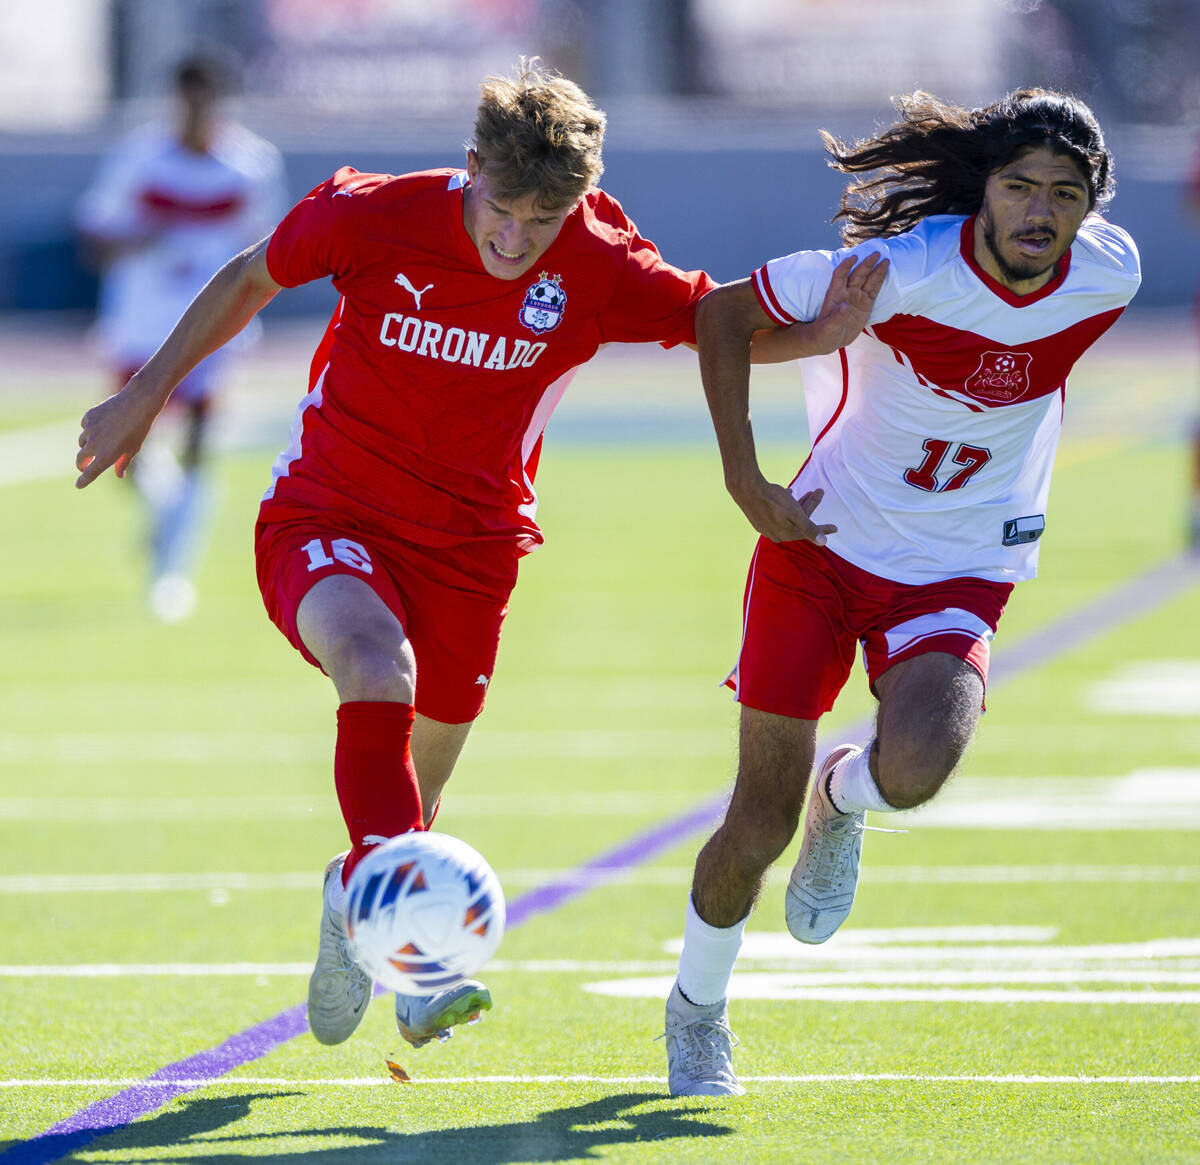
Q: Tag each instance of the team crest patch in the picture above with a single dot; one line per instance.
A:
(1001, 378)
(544, 303)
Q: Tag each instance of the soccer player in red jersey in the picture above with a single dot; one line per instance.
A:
(388, 541)
(933, 436)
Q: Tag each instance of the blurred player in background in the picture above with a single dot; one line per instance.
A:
(1193, 205)
(920, 506)
(168, 207)
(388, 542)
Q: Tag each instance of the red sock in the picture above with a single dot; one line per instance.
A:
(374, 775)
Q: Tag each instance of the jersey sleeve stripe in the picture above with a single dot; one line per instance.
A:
(768, 300)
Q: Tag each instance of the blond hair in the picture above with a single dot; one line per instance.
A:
(538, 133)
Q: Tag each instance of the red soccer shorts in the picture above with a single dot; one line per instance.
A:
(806, 610)
(450, 600)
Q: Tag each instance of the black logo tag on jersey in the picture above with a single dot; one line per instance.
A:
(1018, 530)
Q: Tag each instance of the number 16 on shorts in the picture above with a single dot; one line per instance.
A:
(343, 550)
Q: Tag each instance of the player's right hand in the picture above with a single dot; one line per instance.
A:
(778, 516)
(847, 305)
(110, 434)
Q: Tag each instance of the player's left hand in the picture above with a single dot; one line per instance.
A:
(847, 304)
(778, 516)
(110, 434)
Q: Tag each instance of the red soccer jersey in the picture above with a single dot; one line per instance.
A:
(430, 390)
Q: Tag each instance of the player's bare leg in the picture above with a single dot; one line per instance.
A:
(358, 641)
(775, 757)
(435, 750)
(928, 709)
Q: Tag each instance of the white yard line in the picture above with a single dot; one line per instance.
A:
(784, 980)
(798, 988)
(120, 810)
(1149, 687)
(773, 965)
(148, 970)
(779, 946)
(458, 1081)
(38, 452)
(306, 880)
(1145, 799)
(209, 747)
(1014, 875)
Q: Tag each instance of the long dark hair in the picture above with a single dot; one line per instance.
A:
(937, 158)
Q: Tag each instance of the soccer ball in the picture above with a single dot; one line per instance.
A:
(423, 911)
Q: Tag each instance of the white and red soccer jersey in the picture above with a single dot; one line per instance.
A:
(194, 211)
(429, 393)
(934, 432)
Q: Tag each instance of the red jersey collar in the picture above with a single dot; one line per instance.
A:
(967, 246)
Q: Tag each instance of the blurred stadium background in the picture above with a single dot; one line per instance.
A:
(713, 105)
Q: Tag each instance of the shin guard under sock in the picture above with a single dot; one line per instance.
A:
(373, 771)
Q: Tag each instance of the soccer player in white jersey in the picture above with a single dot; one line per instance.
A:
(919, 507)
(388, 541)
(167, 208)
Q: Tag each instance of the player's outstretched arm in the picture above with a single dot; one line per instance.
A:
(726, 321)
(844, 313)
(113, 431)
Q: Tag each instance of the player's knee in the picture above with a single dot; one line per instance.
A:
(370, 667)
(910, 772)
(760, 836)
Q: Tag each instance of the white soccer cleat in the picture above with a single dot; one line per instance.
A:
(821, 889)
(172, 598)
(421, 1018)
(699, 1049)
(339, 990)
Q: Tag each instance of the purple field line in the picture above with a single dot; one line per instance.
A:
(1137, 597)
(1131, 599)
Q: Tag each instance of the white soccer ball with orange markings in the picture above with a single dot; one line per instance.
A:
(423, 911)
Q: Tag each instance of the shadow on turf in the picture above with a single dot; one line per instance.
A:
(559, 1134)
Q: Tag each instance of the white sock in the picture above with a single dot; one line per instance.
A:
(852, 788)
(706, 961)
(337, 894)
(157, 474)
(180, 519)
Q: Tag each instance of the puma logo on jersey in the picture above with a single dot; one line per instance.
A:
(482, 682)
(402, 281)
